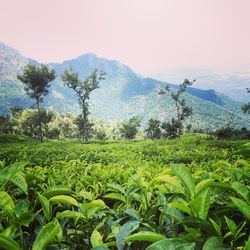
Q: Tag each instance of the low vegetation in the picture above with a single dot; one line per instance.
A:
(191, 193)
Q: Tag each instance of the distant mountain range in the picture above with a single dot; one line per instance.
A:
(122, 95)
(229, 81)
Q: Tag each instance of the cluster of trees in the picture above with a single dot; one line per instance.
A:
(42, 123)
(54, 125)
(231, 133)
(37, 81)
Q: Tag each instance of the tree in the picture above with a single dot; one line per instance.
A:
(188, 128)
(29, 123)
(83, 88)
(46, 116)
(182, 110)
(15, 113)
(16, 110)
(5, 125)
(37, 82)
(100, 135)
(130, 128)
(246, 107)
(153, 130)
(85, 127)
(100, 130)
(170, 129)
(65, 123)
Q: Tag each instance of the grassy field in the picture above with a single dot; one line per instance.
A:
(191, 193)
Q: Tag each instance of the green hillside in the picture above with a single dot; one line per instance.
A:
(120, 96)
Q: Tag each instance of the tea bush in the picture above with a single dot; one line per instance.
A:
(191, 193)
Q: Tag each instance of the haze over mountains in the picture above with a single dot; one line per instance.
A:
(122, 95)
(231, 81)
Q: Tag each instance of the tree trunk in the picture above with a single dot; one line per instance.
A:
(178, 119)
(40, 122)
(85, 125)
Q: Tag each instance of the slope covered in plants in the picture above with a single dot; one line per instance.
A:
(191, 193)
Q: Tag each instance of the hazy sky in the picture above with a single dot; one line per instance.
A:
(147, 35)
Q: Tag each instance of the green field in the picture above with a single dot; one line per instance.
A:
(191, 193)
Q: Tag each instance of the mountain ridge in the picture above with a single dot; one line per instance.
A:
(119, 96)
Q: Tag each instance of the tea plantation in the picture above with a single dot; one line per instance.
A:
(192, 193)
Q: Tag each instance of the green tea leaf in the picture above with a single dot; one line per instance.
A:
(172, 180)
(242, 190)
(19, 180)
(65, 199)
(56, 190)
(198, 223)
(124, 232)
(202, 203)
(69, 215)
(93, 204)
(115, 196)
(133, 213)
(172, 244)
(214, 243)
(242, 206)
(86, 195)
(48, 234)
(96, 239)
(145, 236)
(6, 203)
(247, 246)
(184, 176)
(46, 206)
(202, 185)
(8, 244)
(116, 187)
(180, 206)
(231, 224)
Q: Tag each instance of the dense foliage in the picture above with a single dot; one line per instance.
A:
(37, 82)
(175, 127)
(191, 193)
(83, 88)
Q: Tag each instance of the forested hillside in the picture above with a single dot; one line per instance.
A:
(123, 94)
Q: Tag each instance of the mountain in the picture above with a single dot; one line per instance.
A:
(230, 81)
(123, 93)
(11, 91)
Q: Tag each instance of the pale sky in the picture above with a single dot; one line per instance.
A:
(146, 35)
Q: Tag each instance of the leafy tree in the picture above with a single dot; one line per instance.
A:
(188, 127)
(15, 113)
(170, 129)
(130, 128)
(230, 120)
(5, 125)
(37, 82)
(246, 107)
(85, 127)
(16, 110)
(46, 117)
(100, 135)
(100, 130)
(53, 133)
(29, 123)
(65, 124)
(153, 130)
(183, 111)
(229, 133)
(83, 88)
